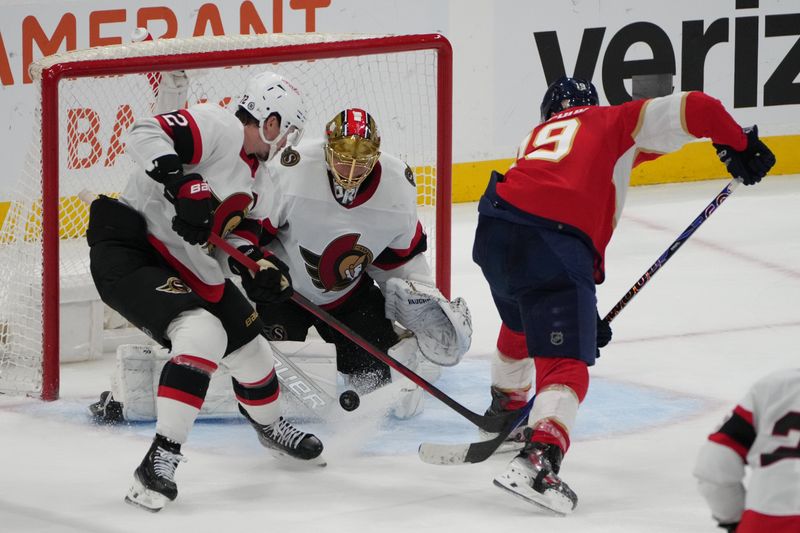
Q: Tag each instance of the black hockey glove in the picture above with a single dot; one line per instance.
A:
(166, 168)
(603, 332)
(272, 284)
(752, 163)
(194, 210)
(730, 528)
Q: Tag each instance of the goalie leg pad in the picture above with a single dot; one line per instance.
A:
(443, 328)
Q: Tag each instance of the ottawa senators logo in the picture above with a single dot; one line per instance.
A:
(410, 176)
(290, 157)
(174, 286)
(339, 265)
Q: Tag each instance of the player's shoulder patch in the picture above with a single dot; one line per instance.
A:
(410, 176)
(290, 157)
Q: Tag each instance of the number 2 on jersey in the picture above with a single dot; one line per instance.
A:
(552, 142)
(788, 422)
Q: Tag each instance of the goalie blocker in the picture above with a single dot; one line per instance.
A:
(443, 328)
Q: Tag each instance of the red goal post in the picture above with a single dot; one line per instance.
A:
(87, 102)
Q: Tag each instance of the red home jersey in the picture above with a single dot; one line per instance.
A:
(575, 167)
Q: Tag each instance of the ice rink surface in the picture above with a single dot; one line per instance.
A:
(722, 313)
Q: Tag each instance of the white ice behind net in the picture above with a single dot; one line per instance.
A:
(398, 89)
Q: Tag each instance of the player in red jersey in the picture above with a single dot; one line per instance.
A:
(542, 232)
(762, 433)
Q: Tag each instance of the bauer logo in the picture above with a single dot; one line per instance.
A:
(250, 319)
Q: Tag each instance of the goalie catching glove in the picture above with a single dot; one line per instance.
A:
(443, 328)
(269, 285)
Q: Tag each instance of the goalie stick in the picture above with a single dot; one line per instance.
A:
(492, 424)
(475, 452)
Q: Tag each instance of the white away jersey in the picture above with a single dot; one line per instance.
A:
(208, 139)
(326, 245)
(763, 431)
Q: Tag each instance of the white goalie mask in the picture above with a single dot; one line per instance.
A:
(269, 93)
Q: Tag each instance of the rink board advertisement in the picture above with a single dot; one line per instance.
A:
(744, 52)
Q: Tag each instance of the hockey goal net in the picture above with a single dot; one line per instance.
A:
(49, 310)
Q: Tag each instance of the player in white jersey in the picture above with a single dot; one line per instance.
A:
(762, 432)
(150, 262)
(342, 215)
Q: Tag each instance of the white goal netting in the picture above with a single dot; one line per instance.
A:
(398, 87)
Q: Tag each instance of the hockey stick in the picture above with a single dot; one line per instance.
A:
(492, 424)
(673, 248)
(300, 385)
(475, 452)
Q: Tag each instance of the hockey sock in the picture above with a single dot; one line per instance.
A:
(259, 398)
(181, 391)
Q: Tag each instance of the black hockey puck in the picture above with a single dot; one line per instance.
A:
(349, 400)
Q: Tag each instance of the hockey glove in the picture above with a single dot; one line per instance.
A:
(272, 284)
(730, 528)
(752, 163)
(194, 210)
(166, 169)
(603, 332)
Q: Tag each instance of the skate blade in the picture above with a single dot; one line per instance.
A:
(529, 495)
(144, 498)
(291, 459)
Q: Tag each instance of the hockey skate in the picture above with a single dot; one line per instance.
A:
(504, 402)
(533, 476)
(154, 480)
(285, 440)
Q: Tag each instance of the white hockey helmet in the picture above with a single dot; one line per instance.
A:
(269, 93)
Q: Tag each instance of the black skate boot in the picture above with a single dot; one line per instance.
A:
(533, 476)
(504, 402)
(283, 439)
(154, 481)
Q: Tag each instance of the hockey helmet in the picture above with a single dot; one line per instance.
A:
(567, 92)
(269, 93)
(352, 146)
